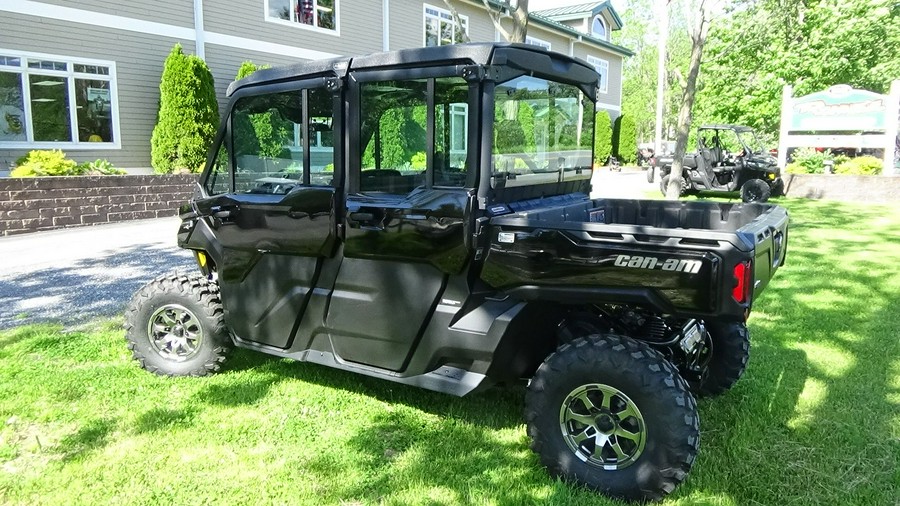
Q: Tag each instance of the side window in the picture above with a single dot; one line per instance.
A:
(267, 143)
(321, 137)
(392, 129)
(218, 181)
(543, 133)
(451, 132)
(394, 132)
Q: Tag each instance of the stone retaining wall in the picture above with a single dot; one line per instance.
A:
(874, 189)
(44, 203)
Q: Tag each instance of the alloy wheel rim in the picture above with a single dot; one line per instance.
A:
(175, 333)
(602, 426)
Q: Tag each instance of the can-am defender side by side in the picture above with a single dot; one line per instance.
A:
(729, 158)
(423, 217)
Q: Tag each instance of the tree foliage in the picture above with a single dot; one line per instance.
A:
(809, 44)
(602, 138)
(188, 114)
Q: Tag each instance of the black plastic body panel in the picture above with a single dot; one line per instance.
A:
(675, 257)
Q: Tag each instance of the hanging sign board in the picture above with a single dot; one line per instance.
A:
(839, 108)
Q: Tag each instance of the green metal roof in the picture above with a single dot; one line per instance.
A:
(587, 9)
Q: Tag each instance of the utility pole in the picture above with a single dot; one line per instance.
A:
(662, 20)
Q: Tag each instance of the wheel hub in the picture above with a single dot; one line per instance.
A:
(175, 332)
(602, 426)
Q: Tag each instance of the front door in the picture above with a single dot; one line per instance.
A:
(273, 208)
(408, 189)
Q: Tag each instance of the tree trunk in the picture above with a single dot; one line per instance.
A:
(520, 22)
(519, 16)
(698, 39)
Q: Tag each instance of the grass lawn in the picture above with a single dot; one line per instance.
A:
(815, 420)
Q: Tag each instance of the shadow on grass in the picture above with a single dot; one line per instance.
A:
(498, 407)
(811, 421)
(90, 437)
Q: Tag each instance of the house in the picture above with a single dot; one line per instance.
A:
(83, 75)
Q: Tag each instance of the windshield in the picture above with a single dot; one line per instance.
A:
(543, 133)
(749, 138)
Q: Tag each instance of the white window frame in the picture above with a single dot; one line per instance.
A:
(534, 41)
(605, 27)
(602, 68)
(24, 71)
(441, 14)
(304, 26)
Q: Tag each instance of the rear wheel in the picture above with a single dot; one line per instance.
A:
(612, 414)
(650, 173)
(729, 352)
(755, 190)
(664, 185)
(174, 326)
(777, 187)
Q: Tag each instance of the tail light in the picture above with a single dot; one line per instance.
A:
(743, 280)
(653, 162)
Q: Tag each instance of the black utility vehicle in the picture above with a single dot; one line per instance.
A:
(729, 158)
(425, 219)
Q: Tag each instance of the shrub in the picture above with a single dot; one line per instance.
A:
(188, 115)
(625, 139)
(99, 167)
(602, 138)
(860, 166)
(54, 163)
(45, 163)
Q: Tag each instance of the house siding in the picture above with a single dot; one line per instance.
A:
(407, 22)
(613, 93)
(172, 12)
(359, 25)
(139, 62)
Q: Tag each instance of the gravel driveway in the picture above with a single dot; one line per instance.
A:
(71, 276)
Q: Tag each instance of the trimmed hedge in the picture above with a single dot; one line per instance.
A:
(188, 115)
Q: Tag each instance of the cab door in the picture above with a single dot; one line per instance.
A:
(272, 207)
(408, 191)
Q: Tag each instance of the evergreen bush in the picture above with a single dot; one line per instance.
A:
(625, 139)
(188, 115)
(602, 138)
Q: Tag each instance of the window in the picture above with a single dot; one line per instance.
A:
(598, 28)
(319, 14)
(602, 68)
(543, 133)
(537, 42)
(440, 29)
(56, 100)
(268, 138)
(394, 130)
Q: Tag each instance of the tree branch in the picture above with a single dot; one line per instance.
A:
(463, 35)
(495, 18)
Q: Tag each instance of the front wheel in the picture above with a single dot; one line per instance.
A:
(650, 173)
(174, 326)
(614, 415)
(755, 190)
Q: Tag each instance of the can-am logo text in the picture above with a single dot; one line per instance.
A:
(667, 264)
